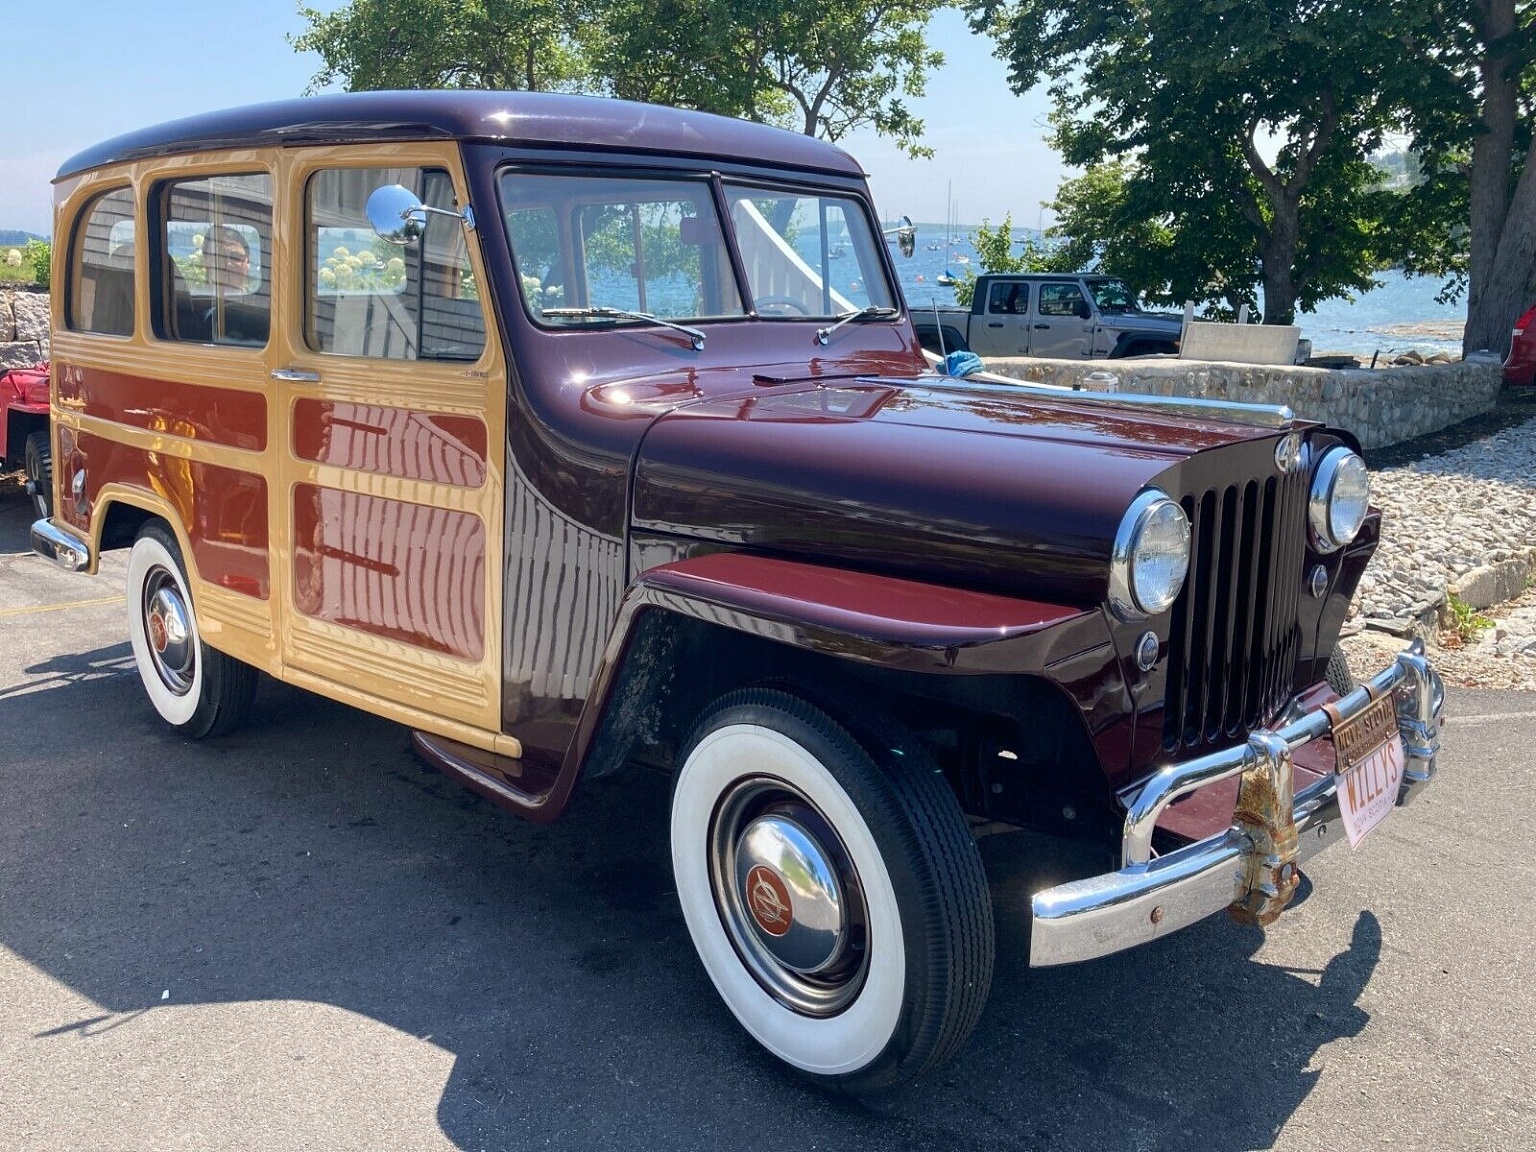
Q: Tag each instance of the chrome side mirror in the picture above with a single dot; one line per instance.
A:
(399, 217)
(906, 235)
(396, 214)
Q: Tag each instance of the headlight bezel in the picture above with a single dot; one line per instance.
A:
(1323, 533)
(1127, 600)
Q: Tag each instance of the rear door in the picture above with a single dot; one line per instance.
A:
(392, 388)
(1062, 325)
(1004, 323)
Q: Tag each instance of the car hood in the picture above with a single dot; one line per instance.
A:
(980, 486)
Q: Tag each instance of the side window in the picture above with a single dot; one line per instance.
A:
(1009, 298)
(100, 297)
(367, 297)
(214, 240)
(1061, 299)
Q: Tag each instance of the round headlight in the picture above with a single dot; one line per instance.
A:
(1151, 557)
(1341, 496)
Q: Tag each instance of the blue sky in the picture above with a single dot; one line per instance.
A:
(85, 70)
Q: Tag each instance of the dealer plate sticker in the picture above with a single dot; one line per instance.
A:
(1370, 767)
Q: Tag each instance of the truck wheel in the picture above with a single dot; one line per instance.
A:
(839, 904)
(39, 463)
(198, 691)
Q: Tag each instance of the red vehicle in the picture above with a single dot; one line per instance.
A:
(1520, 365)
(24, 432)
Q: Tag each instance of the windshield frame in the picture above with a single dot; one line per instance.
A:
(857, 211)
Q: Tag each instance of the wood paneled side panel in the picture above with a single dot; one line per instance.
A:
(402, 571)
(391, 441)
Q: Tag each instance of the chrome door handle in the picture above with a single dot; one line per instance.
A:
(295, 376)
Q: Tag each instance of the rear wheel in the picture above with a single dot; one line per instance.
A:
(833, 891)
(198, 691)
(39, 464)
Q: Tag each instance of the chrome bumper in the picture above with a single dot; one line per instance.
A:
(63, 547)
(1249, 868)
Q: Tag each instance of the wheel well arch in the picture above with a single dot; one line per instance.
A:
(1013, 747)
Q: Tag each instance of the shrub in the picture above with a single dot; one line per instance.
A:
(39, 254)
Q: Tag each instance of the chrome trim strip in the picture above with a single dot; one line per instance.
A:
(1148, 898)
(69, 551)
(1262, 415)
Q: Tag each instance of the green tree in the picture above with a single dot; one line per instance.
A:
(1242, 129)
(369, 45)
(1472, 129)
(823, 69)
(994, 252)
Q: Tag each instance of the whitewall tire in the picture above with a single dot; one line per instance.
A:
(197, 690)
(838, 904)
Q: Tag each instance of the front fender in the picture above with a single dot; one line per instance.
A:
(886, 621)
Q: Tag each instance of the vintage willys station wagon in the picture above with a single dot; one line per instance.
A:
(574, 433)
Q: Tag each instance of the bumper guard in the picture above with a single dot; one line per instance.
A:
(64, 548)
(1249, 869)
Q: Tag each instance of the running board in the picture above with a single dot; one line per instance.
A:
(515, 784)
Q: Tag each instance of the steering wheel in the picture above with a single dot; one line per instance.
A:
(788, 304)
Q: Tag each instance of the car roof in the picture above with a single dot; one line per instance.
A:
(532, 119)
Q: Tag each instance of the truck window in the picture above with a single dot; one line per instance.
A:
(367, 297)
(101, 292)
(1011, 298)
(1060, 299)
(807, 255)
(214, 241)
(640, 245)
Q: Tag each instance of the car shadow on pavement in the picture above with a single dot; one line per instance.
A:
(308, 857)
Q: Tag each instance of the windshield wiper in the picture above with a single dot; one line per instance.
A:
(695, 337)
(873, 312)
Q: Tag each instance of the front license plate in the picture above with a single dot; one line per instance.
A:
(1370, 767)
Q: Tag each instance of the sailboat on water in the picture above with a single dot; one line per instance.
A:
(947, 278)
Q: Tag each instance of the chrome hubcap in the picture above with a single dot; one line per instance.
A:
(789, 897)
(167, 624)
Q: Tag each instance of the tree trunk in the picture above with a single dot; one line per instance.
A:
(1508, 285)
(1278, 262)
(1493, 299)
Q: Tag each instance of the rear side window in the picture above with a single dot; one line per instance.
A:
(367, 297)
(1008, 298)
(214, 240)
(100, 297)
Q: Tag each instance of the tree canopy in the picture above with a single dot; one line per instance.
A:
(1226, 143)
(817, 67)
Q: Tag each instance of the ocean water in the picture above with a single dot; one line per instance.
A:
(1401, 313)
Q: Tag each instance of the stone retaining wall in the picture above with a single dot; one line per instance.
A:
(23, 327)
(1381, 407)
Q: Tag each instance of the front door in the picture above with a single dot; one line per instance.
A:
(393, 398)
(1062, 326)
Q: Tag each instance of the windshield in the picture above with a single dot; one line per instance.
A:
(1113, 296)
(588, 248)
(807, 255)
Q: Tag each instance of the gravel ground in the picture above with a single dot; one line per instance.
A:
(1461, 500)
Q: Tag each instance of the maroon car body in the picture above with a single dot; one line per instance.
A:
(857, 606)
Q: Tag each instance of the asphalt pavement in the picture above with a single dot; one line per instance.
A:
(299, 937)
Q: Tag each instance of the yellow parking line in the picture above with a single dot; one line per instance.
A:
(4, 612)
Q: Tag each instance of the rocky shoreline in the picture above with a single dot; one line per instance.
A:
(1457, 557)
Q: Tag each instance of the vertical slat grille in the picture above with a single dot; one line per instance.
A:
(1233, 642)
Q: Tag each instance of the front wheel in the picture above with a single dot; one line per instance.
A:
(833, 892)
(198, 690)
